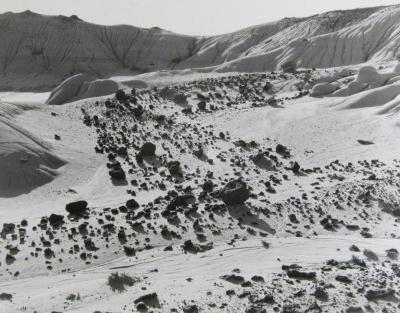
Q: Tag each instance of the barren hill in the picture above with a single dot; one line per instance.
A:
(39, 51)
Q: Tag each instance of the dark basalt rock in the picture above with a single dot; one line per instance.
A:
(150, 299)
(122, 151)
(321, 294)
(282, 150)
(55, 219)
(365, 142)
(8, 228)
(208, 186)
(141, 307)
(301, 275)
(189, 246)
(129, 251)
(202, 105)
(180, 99)
(148, 149)
(190, 309)
(382, 294)
(117, 174)
(174, 168)
(89, 245)
(235, 192)
(132, 204)
(5, 296)
(234, 279)
(295, 168)
(343, 279)
(77, 208)
(10, 259)
(355, 309)
(179, 201)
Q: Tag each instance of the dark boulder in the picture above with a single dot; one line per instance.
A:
(381, 294)
(190, 309)
(202, 105)
(189, 246)
(234, 279)
(150, 299)
(180, 99)
(8, 228)
(181, 201)
(208, 186)
(122, 151)
(148, 149)
(282, 150)
(174, 168)
(129, 251)
(117, 173)
(56, 219)
(235, 192)
(295, 168)
(365, 142)
(5, 296)
(301, 275)
(132, 204)
(77, 208)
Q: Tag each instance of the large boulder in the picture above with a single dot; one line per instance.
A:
(235, 192)
(56, 219)
(117, 173)
(262, 161)
(150, 299)
(77, 207)
(148, 149)
(132, 203)
(174, 168)
(180, 99)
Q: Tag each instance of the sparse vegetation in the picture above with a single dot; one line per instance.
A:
(119, 282)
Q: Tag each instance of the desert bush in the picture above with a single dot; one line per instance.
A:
(357, 261)
(119, 282)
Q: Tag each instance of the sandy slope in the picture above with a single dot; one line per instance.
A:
(26, 161)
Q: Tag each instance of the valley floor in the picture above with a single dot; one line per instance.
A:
(320, 238)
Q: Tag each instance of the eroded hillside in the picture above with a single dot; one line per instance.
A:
(39, 51)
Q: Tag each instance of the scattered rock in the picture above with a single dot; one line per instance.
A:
(235, 192)
(77, 208)
(148, 149)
